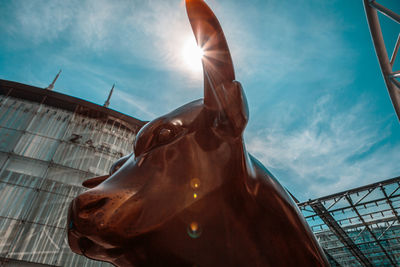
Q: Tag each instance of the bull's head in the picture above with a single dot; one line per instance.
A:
(190, 193)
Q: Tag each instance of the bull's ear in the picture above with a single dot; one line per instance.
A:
(93, 182)
(221, 92)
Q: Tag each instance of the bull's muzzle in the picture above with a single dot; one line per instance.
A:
(85, 213)
(89, 207)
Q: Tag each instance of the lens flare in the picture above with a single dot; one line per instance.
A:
(192, 55)
(194, 230)
(195, 183)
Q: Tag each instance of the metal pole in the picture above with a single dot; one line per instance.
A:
(385, 11)
(380, 49)
(396, 48)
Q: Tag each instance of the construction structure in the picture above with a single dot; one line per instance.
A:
(386, 64)
(358, 227)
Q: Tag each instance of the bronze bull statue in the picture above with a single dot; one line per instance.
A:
(190, 194)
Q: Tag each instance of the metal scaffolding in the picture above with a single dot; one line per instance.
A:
(389, 75)
(358, 227)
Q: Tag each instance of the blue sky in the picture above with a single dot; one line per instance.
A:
(321, 119)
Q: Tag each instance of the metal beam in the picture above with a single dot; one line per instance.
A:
(395, 82)
(331, 259)
(385, 11)
(380, 49)
(357, 204)
(395, 50)
(390, 204)
(395, 74)
(394, 191)
(355, 190)
(387, 228)
(392, 261)
(324, 214)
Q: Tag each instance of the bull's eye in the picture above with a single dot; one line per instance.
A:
(164, 135)
(153, 136)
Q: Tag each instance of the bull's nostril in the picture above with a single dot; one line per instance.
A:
(95, 204)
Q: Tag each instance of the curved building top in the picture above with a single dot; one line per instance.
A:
(66, 102)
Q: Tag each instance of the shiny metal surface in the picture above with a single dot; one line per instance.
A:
(191, 194)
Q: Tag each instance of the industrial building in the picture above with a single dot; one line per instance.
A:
(49, 144)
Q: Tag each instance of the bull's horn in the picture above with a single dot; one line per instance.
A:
(217, 61)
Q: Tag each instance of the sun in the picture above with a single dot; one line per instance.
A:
(192, 55)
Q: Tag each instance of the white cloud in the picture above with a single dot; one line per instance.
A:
(329, 153)
(263, 42)
(94, 23)
(268, 40)
(150, 30)
(43, 20)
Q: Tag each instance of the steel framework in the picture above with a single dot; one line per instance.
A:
(386, 64)
(358, 227)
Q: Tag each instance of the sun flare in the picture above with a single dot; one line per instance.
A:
(192, 55)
